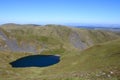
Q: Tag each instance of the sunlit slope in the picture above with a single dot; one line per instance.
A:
(96, 62)
(56, 36)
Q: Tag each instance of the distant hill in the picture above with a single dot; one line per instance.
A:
(110, 28)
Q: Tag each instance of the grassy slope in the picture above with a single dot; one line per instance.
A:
(51, 37)
(74, 65)
(55, 36)
(97, 60)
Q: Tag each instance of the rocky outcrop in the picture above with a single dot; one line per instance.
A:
(76, 41)
(12, 45)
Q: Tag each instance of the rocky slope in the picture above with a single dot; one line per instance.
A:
(35, 39)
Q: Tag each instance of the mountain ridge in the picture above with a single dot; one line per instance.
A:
(60, 35)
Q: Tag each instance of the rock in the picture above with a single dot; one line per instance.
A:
(111, 72)
(109, 75)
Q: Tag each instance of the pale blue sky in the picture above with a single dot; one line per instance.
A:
(60, 11)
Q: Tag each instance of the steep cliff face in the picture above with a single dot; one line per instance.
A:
(26, 38)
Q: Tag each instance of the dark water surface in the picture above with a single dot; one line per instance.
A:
(36, 61)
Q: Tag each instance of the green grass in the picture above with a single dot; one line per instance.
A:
(74, 65)
(89, 64)
(57, 33)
